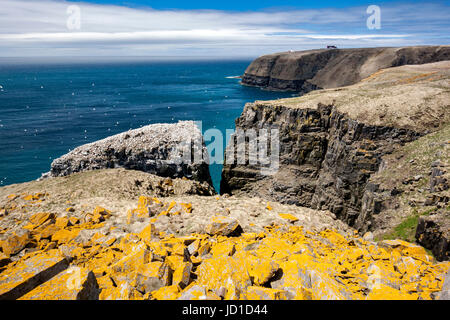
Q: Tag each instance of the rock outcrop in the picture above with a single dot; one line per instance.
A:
(166, 150)
(332, 141)
(433, 232)
(305, 71)
(98, 256)
(62, 201)
(411, 190)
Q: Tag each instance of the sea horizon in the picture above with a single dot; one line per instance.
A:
(48, 109)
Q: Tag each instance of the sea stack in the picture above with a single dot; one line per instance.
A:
(158, 149)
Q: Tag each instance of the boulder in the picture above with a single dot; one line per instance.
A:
(439, 180)
(433, 232)
(260, 293)
(149, 276)
(182, 274)
(15, 242)
(223, 226)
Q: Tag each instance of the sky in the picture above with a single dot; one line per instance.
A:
(170, 28)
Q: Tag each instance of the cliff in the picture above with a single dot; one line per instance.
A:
(124, 219)
(409, 195)
(305, 71)
(157, 149)
(332, 141)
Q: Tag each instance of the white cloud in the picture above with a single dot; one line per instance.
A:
(33, 28)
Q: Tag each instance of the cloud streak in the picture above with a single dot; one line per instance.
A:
(39, 28)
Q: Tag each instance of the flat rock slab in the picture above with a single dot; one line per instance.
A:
(72, 284)
(30, 273)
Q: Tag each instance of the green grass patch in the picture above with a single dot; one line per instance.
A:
(406, 230)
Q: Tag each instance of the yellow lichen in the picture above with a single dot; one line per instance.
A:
(279, 263)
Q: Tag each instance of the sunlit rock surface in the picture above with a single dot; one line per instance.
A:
(91, 258)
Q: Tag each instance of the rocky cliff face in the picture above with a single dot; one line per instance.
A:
(305, 71)
(325, 157)
(333, 141)
(411, 189)
(157, 149)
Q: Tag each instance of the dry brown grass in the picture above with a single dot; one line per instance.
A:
(413, 97)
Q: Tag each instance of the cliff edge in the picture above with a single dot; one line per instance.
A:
(333, 141)
(305, 71)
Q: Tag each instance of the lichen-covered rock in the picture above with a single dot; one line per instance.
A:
(24, 276)
(166, 293)
(195, 292)
(149, 277)
(182, 274)
(15, 242)
(260, 293)
(157, 149)
(289, 217)
(261, 270)
(39, 218)
(279, 261)
(72, 284)
(223, 226)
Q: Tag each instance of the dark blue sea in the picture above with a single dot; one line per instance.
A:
(46, 110)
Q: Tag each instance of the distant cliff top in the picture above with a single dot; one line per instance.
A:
(305, 71)
(415, 97)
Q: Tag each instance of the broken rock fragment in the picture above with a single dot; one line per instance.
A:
(224, 226)
(16, 242)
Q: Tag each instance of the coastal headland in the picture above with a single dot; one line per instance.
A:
(357, 209)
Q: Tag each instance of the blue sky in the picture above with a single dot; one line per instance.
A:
(245, 5)
(34, 28)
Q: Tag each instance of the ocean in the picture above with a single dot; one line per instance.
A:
(49, 109)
